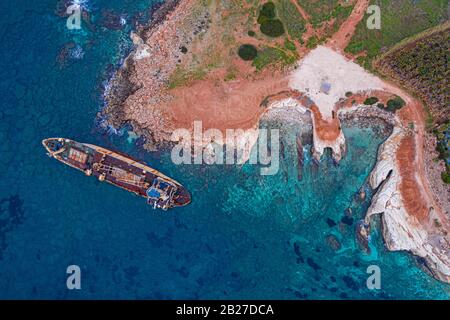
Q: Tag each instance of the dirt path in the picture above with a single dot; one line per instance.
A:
(340, 40)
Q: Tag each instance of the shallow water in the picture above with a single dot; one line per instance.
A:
(244, 235)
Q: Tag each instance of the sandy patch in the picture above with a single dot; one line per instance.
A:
(325, 76)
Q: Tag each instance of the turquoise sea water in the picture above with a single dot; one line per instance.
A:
(244, 235)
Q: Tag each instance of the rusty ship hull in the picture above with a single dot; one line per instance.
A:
(120, 170)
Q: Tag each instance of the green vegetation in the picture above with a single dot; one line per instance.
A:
(380, 105)
(273, 55)
(445, 177)
(291, 18)
(251, 33)
(318, 10)
(421, 64)
(348, 94)
(437, 224)
(313, 42)
(370, 101)
(182, 77)
(269, 24)
(399, 19)
(231, 75)
(247, 52)
(322, 11)
(289, 45)
(395, 104)
(272, 28)
(443, 148)
(267, 12)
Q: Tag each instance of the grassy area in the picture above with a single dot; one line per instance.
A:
(273, 55)
(324, 10)
(399, 19)
(291, 18)
(318, 10)
(421, 64)
(183, 77)
(443, 148)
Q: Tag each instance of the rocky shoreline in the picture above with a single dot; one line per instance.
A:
(124, 83)
(379, 120)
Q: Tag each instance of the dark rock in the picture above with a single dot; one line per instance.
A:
(348, 212)
(347, 220)
(110, 20)
(313, 264)
(297, 249)
(331, 223)
(350, 283)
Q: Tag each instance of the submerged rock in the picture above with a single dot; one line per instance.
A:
(333, 242)
(347, 220)
(362, 194)
(362, 236)
(331, 223)
(111, 20)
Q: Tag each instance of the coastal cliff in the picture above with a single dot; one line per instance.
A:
(402, 230)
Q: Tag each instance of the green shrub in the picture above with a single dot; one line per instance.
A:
(395, 104)
(267, 12)
(380, 105)
(312, 42)
(348, 94)
(445, 177)
(370, 101)
(289, 45)
(251, 33)
(247, 52)
(272, 28)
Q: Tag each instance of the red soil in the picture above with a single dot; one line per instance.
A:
(228, 105)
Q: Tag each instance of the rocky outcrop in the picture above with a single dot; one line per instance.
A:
(337, 146)
(401, 229)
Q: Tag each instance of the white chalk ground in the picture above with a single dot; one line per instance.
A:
(325, 66)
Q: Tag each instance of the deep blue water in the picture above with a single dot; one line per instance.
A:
(244, 235)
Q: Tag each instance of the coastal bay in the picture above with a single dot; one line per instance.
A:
(245, 236)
